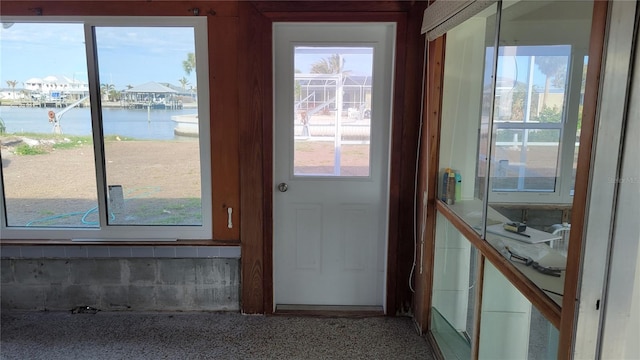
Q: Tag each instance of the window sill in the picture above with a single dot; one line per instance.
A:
(29, 242)
(117, 251)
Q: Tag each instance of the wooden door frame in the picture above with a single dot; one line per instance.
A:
(256, 134)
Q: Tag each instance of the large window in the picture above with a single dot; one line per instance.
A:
(105, 129)
(512, 101)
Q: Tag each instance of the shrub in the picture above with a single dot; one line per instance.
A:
(25, 149)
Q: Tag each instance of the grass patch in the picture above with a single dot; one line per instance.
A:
(63, 142)
(25, 149)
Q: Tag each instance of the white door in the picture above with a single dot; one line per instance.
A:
(333, 88)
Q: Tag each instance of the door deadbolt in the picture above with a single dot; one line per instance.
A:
(283, 187)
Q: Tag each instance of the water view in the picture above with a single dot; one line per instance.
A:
(132, 123)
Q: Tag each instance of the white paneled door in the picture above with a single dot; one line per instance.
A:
(333, 88)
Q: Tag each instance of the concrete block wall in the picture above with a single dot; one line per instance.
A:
(136, 284)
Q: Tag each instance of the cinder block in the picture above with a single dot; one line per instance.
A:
(176, 271)
(171, 298)
(206, 272)
(22, 297)
(214, 299)
(6, 271)
(55, 271)
(143, 298)
(29, 272)
(115, 298)
(234, 271)
(142, 271)
(216, 271)
(95, 271)
(56, 298)
(82, 295)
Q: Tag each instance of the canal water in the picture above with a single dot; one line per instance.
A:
(138, 124)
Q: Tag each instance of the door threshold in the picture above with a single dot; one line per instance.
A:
(329, 310)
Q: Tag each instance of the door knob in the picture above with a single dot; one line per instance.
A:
(283, 187)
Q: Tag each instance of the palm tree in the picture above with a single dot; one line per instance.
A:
(12, 84)
(332, 65)
(189, 64)
(184, 82)
(105, 89)
(551, 67)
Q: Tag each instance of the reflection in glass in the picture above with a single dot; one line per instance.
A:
(152, 173)
(510, 327)
(528, 117)
(538, 104)
(526, 160)
(466, 110)
(453, 297)
(332, 124)
(45, 127)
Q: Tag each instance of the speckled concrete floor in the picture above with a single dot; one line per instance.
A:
(121, 335)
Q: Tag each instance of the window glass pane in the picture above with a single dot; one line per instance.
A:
(526, 160)
(150, 124)
(466, 110)
(531, 83)
(538, 105)
(528, 116)
(508, 315)
(48, 171)
(332, 124)
(453, 297)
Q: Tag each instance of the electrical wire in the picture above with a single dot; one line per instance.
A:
(415, 180)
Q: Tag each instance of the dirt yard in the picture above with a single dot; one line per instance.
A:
(160, 182)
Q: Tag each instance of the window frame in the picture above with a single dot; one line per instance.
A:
(134, 233)
(567, 149)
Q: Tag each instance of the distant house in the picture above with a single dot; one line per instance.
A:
(58, 87)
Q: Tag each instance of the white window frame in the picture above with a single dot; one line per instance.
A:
(562, 194)
(107, 232)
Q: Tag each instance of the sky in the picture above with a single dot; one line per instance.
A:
(356, 60)
(126, 55)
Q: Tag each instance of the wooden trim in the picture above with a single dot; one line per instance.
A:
(579, 212)
(528, 288)
(397, 303)
(225, 172)
(331, 7)
(477, 307)
(428, 181)
(251, 117)
(437, 353)
(267, 167)
(119, 243)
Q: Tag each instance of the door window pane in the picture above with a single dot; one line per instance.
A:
(332, 100)
(48, 171)
(150, 117)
